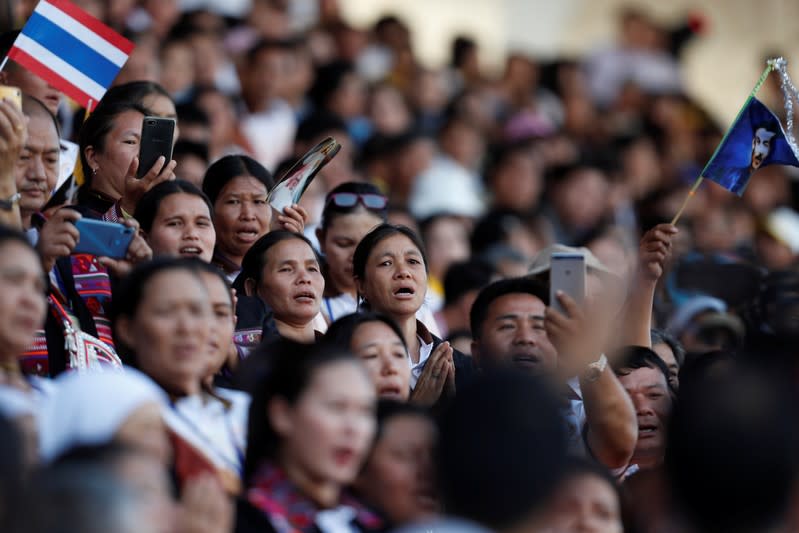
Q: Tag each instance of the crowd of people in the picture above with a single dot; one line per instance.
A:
(388, 354)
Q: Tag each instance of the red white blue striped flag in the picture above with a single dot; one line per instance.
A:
(71, 50)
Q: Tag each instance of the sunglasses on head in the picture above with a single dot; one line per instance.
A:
(351, 199)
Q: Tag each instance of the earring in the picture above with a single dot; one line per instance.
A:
(94, 171)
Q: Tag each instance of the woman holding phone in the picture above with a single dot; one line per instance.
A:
(109, 151)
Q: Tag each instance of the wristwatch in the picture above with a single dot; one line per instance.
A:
(9, 203)
(595, 369)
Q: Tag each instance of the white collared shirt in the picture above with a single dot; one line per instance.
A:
(425, 349)
(218, 432)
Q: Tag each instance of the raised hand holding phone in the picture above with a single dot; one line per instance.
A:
(157, 140)
(153, 165)
(566, 275)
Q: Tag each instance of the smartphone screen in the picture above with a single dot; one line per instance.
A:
(157, 136)
(567, 274)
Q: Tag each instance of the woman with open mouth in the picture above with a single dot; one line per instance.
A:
(281, 272)
(390, 269)
(237, 186)
(176, 220)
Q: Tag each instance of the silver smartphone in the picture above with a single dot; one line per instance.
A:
(567, 274)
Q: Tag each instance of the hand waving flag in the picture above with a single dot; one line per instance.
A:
(71, 50)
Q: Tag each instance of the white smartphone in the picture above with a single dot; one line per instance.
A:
(567, 274)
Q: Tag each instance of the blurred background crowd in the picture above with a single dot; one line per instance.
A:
(454, 184)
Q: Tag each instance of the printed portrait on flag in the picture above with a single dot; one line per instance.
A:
(755, 140)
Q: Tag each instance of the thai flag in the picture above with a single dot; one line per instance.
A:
(71, 50)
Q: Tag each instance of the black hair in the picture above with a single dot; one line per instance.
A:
(501, 154)
(731, 451)
(659, 336)
(224, 170)
(631, 358)
(375, 237)
(265, 45)
(493, 228)
(328, 80)
(504, 472)
(135, 91)
(498, 289)
(254, 261)
(291, 367)
(465, 276)
(33, 106)
(148, 206)
(317, 124)
(96, 128)
(390, 409)
(191, 113)
(461, 47)
(331, 210)
(196, 149)
(699, 367)
(340, 332)
(768, 125)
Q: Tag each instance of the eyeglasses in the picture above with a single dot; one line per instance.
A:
(351, 199)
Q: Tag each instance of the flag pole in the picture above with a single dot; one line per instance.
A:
(3, 64)
(770, 65)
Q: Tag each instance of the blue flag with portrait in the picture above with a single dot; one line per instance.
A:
(755, 139)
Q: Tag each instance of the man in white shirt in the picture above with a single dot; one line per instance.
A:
(268, 122)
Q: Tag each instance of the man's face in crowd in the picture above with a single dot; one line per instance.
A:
(37, 167)
(513, 334)
(761, 146)
(653, 403)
